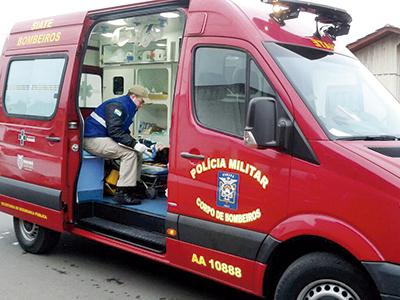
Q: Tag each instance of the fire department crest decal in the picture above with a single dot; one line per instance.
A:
(20, 161)
(24, 164)
(228, 190)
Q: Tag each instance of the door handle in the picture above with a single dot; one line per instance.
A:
(53, 139)
(188, 155)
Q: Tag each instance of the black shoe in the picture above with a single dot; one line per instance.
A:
(124, 197)
(138, 191)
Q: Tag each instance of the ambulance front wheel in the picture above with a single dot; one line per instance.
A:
(321, 275)
(34, 238)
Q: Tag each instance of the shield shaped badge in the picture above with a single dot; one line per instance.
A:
(228, 190)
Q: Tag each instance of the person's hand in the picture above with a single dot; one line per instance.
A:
(139, 147)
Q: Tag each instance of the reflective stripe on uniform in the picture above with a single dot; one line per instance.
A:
(98, 119)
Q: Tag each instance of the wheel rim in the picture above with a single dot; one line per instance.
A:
(327, 289)
(29, 230)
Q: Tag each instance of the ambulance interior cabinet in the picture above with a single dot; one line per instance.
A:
(154, 118)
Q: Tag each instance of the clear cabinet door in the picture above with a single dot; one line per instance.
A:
(156, 81)
(153, 120)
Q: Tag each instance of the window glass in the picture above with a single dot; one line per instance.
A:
(90, 90)
(118, 85)
(33, 86)
(259, 86)
(220, 80)
(346, 99)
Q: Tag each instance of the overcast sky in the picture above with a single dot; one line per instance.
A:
(367, 15)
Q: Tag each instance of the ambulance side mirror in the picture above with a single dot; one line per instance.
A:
(261, 123)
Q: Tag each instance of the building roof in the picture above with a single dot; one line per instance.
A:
(373, 37)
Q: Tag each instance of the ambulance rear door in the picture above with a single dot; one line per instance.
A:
(39, 135)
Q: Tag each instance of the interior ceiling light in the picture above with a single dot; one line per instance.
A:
(169, 15)
(107, 35)
(121, 36)
(119, 22)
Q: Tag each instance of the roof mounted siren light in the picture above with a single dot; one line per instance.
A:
(338, 19)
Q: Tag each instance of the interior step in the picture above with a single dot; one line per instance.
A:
(128, 215)
(123, 214)
(137, 236)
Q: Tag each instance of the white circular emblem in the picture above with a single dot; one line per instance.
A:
(20, 161)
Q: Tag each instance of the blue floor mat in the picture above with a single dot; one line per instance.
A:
(157, 206)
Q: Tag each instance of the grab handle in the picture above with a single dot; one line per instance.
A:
(53, 139)
(188, 155)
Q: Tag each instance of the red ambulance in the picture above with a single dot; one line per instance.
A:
(284, 171)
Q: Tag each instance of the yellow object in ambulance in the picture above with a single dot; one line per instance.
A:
(112, 178)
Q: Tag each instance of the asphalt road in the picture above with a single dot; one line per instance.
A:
(82, 269)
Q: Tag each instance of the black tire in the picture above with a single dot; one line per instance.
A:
(319, 274)
(33, 238)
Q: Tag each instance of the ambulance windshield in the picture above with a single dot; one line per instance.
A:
(343, 95)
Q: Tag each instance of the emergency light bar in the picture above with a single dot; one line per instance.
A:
(289, 9)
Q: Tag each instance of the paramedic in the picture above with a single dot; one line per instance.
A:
(107, 135)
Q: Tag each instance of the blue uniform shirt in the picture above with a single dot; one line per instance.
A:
(96, 123)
